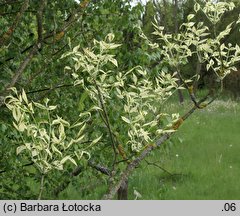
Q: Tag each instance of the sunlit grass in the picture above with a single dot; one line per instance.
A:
(203, 157)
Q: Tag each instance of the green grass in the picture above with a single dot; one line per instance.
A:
(203, 157)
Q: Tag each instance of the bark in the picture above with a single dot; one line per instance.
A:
(198, 72)
(123, 191)
(180, 94)
(175, 15)
(165, 15)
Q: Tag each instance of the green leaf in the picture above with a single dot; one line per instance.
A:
(81, 105)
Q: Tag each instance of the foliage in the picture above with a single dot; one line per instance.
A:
(47, 140)
(134, 90)
(195, 40)
(114, 97)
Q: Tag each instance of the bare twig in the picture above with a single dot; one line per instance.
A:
(189, 89)
(156, 165)
(39, 20)
(100, 168)
(50, 88)
(76, 172)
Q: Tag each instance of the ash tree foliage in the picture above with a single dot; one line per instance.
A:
(47, 141)
(194, 40)
(119, 117)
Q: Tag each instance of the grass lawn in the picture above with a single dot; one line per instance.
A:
(203, 158)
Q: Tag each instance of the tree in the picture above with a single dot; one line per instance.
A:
(119, 119)
(30, 58)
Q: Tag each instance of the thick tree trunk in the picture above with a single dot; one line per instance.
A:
(175, 18)
(198, 72)
(180, 94)
(175, 15)
(123, 191)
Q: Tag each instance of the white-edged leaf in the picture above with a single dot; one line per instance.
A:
(52, 107)
(95, 108)
(81, 130)
(24, 96)
(190, 16)
(40, 106)
(64, 122)
(67, 68)
(54, 149)
(77, 124)
(57, 165)
(79, 156)
(21, 127)
(114, 61)
(48, 151)
(76, 48)
(79, 139)
(34, 152)
(197, 7)
(96, 140)
(68, 158)
(20, 149)
(126, 119)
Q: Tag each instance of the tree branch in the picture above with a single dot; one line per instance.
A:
(50, 88)
(39, 20)
(111, 134)
(76, 172)
(131, 166)
(22, 67)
